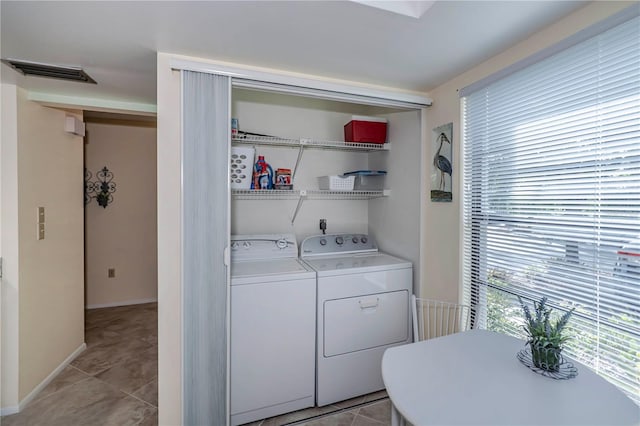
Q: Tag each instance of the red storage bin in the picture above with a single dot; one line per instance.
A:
(366, 130)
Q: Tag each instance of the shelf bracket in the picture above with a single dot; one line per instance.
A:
(303, 195)
(303, 142)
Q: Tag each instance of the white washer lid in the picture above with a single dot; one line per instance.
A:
(358, 263)
(249, 272)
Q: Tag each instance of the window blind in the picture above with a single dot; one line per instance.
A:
(551, 198)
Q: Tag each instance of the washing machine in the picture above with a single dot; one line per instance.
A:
(273, 319)
(363, 308)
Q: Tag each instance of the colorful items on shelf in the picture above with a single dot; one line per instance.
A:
(283, 179)
(234, 128)
(262, 175)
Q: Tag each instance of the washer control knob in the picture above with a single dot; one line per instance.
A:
(339, 241)
(282, 243)
(355, 240)
(364, 240)
(323, 242)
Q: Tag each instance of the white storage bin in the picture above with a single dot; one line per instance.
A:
(368, 180)
(369, 183)
(336, 183)
(241, 167)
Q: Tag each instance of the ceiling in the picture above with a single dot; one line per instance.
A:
(116, 42)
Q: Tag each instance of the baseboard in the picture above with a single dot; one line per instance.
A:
(122, 303)
(27, 399)
(7, 411)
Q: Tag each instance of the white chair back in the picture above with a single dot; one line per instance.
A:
(433, 318)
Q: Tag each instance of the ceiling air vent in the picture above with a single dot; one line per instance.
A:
(50, 71)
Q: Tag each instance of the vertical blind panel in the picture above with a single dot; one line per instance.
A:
(205, 234)
(551, 200)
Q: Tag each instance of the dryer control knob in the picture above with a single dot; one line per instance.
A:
(364, 240)
(339, 241)
(355, 240)
(323, 242)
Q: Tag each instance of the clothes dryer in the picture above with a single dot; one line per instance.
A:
(363, 308)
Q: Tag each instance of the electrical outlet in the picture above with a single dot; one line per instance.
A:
(111, 272)
(323, 225)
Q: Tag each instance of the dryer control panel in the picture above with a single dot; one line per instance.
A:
(336, 244)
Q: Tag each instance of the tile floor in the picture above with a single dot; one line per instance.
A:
(368, 410)
(113, 382)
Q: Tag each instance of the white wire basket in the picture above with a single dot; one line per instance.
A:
(336, 183)
(241, 167)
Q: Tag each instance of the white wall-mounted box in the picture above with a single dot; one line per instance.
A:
(74, 126)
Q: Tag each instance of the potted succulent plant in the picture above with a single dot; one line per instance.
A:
(545, 336)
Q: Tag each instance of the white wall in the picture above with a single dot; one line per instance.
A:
(395, 220)
(124, 234)
(441, 257)
(9, 249)
(51, 271)
(42, 286)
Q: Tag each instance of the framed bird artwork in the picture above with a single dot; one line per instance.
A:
(442, 163)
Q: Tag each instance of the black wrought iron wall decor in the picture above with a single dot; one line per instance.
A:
(100, 189)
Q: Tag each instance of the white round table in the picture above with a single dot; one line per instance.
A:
(474, 378)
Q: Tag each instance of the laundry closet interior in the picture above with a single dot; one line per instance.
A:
(274, 326)
(392, 217)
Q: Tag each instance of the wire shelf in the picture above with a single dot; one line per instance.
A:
(310, 143)
(266, 140)
(302, 195)
(566, 370)
(275, 194)
(265, 194)
(345, 195)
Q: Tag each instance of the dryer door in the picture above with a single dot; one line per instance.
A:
(357, 323)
